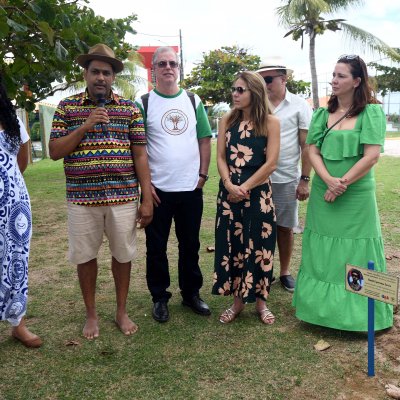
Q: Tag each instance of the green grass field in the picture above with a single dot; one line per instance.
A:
(190, 357)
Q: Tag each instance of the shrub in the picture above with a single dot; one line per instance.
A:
(35, 131)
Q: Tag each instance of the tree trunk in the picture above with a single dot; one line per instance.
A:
(314, 76)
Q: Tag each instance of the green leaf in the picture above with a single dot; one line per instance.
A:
(35, 8)
(48, 12)
(65, 21)
(4, 29)
(17, 27)
(47, 30)
(68, 34)
(10, 85)
(18, 65)
(61, 51)
(37, 67)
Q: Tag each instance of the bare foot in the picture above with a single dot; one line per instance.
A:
(25, 336)
(126, 325)
(91, 328)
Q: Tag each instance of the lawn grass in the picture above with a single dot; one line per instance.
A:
(190, 357)
(393, 134)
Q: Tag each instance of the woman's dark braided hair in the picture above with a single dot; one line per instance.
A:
(8, 119)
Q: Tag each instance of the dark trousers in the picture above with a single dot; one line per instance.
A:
(186, 209)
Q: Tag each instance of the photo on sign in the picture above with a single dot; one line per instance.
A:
(355, 279)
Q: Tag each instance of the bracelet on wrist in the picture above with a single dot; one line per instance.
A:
(305, 178)
(225, 180)
(204, 176)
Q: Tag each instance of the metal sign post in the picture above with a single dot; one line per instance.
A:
(371, 330)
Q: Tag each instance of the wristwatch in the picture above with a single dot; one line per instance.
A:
(204, 176)
(305, 178)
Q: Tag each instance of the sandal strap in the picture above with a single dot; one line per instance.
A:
(266, 315)
(228, 315)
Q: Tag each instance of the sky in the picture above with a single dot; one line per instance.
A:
(210, 24)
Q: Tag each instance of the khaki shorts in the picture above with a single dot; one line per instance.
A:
(86, 226)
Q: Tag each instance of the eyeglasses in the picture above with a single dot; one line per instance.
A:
(238, 89)
(164, 64)
(349, 57)
(269, 79)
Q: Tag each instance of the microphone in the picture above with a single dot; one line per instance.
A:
(101, 102)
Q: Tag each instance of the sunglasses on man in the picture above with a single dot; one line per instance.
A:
(164, 64)
(269, 79)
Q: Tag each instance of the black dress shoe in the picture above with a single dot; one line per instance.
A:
(197, 305)
(160, 311)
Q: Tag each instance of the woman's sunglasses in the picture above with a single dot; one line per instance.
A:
(349, 57)
(238, 89)
(269, 79)
(172, 64)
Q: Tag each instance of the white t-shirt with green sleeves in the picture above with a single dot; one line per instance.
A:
(172, 132)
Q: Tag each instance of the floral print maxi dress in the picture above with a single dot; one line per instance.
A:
(245, 232)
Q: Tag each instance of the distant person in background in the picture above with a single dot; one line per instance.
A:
(15, 222)
(101, 137)
(288, 184)
(342, 224)
(245, 231)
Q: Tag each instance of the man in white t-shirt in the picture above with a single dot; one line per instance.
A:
(179, 147)
(288, 185)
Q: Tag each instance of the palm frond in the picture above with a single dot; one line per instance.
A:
(343, 5)
(369, 41)
(299, 12)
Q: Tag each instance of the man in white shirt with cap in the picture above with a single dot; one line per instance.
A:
(288, 184)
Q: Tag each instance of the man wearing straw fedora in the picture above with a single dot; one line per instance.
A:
(102, 139)
(288, 184)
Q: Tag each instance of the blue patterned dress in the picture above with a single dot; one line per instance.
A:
(15, 234)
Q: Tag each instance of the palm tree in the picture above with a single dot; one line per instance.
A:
(305, 17)
(126, 82)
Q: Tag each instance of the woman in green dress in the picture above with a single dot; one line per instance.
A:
(342, 223)
(247, 154)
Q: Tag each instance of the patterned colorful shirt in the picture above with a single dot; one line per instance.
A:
(100, 171)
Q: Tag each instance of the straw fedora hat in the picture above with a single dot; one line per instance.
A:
(274, 63)
(100, 52)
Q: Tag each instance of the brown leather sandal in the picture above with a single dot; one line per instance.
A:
(266, 316)
(228, 316)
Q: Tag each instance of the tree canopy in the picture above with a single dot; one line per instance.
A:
(305, 17)
(40, 40)
(388, 79)
(212, 78)
(298, 86)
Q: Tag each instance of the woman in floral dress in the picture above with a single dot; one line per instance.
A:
(15, 222)
(247, 154)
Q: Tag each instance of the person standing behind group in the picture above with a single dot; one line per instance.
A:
(179, 148)
(342, 224)
(245, 232)
(288, 185)
(101, 137)
(15, 222)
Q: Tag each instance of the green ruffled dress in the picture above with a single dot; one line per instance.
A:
(345, 231)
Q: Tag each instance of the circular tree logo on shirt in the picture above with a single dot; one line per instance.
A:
(174, 122)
